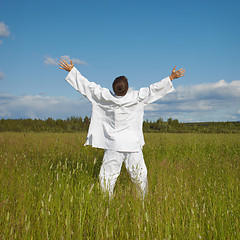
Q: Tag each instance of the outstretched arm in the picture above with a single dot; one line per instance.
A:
(90, 90)
(66, 66)
(177, 74)
(160, 89)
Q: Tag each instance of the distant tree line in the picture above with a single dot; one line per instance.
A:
(173, 126)
(78, 124)
(73, 124)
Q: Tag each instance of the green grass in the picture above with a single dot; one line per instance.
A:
(50, 190)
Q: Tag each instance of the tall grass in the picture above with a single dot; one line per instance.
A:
(49, 189)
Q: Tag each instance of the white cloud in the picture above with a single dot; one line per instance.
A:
(74, 60)
(203, 102)
(220, 89)
(4, 31)
(55, 61)
(50, 61)
(42, 107)
(1, 75)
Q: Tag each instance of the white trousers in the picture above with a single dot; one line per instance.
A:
(111, 168)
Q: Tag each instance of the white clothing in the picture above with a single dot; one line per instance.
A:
(111, 168)
(116, 122)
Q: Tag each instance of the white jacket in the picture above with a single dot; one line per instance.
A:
(116, 122)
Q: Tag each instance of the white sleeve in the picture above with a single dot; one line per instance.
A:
(82, 85)
(156, 91)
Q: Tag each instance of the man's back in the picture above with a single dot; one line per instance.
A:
(116, 122)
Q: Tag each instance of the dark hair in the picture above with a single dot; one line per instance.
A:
(120, 86)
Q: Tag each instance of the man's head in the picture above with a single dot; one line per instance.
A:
(120, 86)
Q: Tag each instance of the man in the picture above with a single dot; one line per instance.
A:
(116, 123)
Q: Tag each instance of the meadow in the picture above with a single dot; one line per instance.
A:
(50, 190)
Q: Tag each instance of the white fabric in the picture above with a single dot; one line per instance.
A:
(116, 122)
(111, 168)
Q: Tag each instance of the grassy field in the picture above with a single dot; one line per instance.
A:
(49, 189)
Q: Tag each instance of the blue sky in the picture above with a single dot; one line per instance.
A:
(142, 40)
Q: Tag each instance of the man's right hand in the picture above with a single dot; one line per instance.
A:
(65, 66)
(176, 74)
